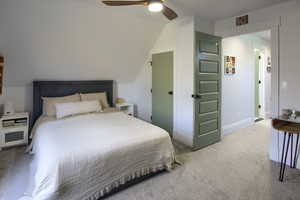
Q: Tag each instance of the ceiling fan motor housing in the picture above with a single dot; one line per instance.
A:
(155, 5)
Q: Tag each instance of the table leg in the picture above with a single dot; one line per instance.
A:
(285, 157)
(291, 161)
(296, 152)
(282, 156)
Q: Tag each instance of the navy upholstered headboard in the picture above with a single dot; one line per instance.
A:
(64, 88)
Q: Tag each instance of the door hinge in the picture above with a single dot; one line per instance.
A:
(259, 57)
(150, 62)
(151, 117)
(151, 90)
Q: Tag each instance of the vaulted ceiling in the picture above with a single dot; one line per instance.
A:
(219, 9)
(74, 39)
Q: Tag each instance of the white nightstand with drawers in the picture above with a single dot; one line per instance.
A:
(127, 108)
(14, 130)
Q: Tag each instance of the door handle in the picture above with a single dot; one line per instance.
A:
(170, 92)
(196, 96)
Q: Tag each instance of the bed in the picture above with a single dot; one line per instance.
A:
(88, 156)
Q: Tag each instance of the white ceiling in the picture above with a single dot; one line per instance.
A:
(219, 9)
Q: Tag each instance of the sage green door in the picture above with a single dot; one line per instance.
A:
(257, 86)
(207, 97)
(162, 90)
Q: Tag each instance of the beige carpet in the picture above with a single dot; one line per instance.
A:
(235, 169)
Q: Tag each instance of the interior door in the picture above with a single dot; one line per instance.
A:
(258, 85)
(207, 95)
(162, 90)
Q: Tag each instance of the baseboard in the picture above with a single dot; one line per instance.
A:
(237, 125)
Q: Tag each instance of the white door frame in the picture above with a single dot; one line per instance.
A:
(272, 25)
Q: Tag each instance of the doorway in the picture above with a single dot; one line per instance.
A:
(246, 83)
(162, 90)
(259, 85)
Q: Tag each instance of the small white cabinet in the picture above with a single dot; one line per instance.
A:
(14, 130)
(127, 108)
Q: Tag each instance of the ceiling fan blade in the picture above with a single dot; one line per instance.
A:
(125, 3)
(169, 13)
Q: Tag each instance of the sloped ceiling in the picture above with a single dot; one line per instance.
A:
(75, 39)
(219, 9)
(84, 39)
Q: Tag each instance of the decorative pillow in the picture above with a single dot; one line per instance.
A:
(50, 102)
(75, 108)
(101, 96)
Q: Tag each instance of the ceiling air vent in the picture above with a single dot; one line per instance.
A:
(242, 20)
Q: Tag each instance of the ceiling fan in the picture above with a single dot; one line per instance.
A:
(153, 6)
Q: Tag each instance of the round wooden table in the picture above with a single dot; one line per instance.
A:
(290, 127)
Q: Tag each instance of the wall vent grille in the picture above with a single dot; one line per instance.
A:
(242, 20)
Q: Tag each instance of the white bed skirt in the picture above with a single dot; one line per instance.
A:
(122, 181)
(126, 179)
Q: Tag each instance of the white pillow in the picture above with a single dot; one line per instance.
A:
(49, 103)
(74, 108)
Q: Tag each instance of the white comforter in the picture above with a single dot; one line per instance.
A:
(86, 156)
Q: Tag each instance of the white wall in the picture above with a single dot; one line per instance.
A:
(238, 89)
(74, 40)
(166, 41)
(238, 96)
(177, 36)
(184, 82)
(289, 46)
(265, 48)
(204, 26)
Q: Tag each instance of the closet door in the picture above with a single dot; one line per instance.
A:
(207, 95)
(162, 90)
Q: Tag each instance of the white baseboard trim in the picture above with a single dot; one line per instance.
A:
(237, 125)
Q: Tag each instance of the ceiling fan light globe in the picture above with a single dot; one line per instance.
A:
(155, 7)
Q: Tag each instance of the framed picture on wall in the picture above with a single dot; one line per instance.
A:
(229, 65)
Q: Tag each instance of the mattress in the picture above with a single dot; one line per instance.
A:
(86, 156)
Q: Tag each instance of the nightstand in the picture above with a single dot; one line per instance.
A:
(14, 130)
(127, 108)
